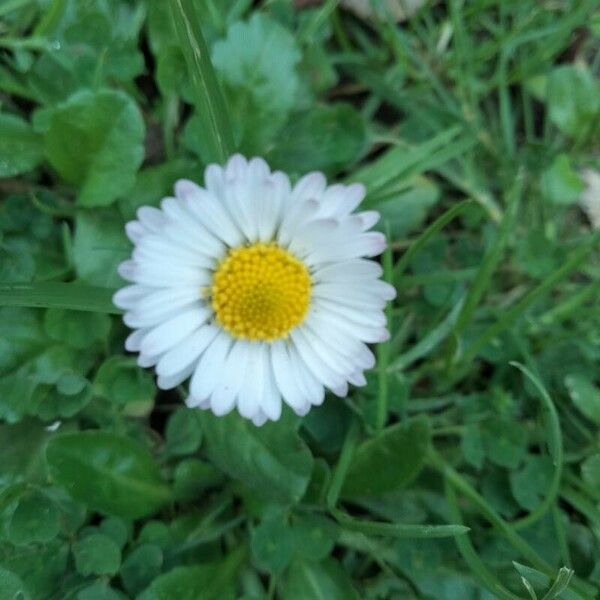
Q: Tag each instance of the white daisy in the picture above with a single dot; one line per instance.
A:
(258, 290)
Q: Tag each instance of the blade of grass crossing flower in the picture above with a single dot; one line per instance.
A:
(555, 448)
(208, 99)
(490, 260)
(469, 554)
(428, 234)
(73, 296)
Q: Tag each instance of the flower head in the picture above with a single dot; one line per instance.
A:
(258, 290)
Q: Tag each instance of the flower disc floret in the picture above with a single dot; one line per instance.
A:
(260, 292)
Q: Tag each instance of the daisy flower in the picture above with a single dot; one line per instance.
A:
(258, 291)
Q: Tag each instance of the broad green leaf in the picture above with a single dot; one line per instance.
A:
(117, 529)
(21, 455)
(389, 461)
(314, 536)
(99, 246)
(257, 64)
(96, 554)
(111, 474)
(590, 472)
(531, 483)
(183, 433)
(560, 183)
(121, 381)
(573, 96)
(272, 460)
(504, 442)
(272, 544)
(407, 209)
(21, 148)
(194, 476)
(325, 138)
(211, 581)
(76, 329)
(11, 586)
(141, 566)
(95, 142)
(42, 568)
(325, 580)
(585, 396)
(100, 590)
(34, 520)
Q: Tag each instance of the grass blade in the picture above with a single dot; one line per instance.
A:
(535, 294)
(555, 447)
(208, 99)
(433, 229)
(491, 259)
(397, 530)
(75, 296)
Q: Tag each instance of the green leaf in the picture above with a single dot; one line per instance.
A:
(531, 483)
(389, 461)
(408, 208)
(192, 477)
(118, 530)
(257, 64)
(326, 138)
(141, 566)
(121, 381)
(314, 536)
(272, 544)
(590, 473)
(21, 148)
(11, 586)
(34, 520)
(100, 590)
(21, 455)
(96, 554)
(183, 433)
(573, 96)
(76, 329)
(213, 581)
(585, 396)
(99, 246)
(504, 442)
(111, 474)
(95, 142)
(272, 460)
(561, 184)
(326, 580)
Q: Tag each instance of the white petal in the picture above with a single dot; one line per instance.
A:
(151, 218)
(187, 352)
(168, 382)
(359, 270)
(285, 379)
(209, 369)
(172, 332)
(309, 187)
(135, 231)
(134, 340)
(315, 364)
(232, 378)
(365, 244)
(129, 296)
(161, 305)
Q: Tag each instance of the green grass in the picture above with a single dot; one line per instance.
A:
(469, 466)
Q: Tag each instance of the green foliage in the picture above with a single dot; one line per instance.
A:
(474, 127)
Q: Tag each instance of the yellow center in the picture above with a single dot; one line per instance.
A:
(260, 292)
